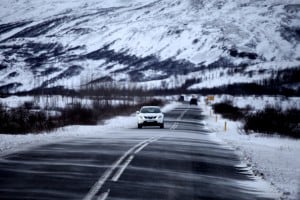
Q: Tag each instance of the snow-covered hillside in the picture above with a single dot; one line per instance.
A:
(157, 43)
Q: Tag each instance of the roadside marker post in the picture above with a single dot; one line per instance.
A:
(225, 126)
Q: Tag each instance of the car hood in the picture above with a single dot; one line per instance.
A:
(150, 114)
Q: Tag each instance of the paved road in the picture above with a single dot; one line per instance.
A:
(179, 162)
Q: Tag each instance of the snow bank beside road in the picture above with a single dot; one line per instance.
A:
(275, 159)
(10, 143)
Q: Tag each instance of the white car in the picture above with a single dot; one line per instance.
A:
(150, 116)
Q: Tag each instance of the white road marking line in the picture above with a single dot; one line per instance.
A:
(141, 148)
(175, 125)
(104, 195)
(122, 169)
(182, 114)
(127, 162)
(97, 186)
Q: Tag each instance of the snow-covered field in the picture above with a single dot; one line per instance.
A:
(258, 102)
(275, 159)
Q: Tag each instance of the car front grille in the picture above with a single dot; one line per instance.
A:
(147, 117)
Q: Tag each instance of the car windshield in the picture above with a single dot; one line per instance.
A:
(150, 110)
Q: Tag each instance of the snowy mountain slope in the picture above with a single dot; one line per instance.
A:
(156, 43)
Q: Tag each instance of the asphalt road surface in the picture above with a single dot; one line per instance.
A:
(180, 162)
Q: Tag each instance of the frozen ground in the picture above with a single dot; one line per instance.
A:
(275, 159)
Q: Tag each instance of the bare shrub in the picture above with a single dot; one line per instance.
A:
(78, 114)
(227, 110)
(23, 120)
(273, 120)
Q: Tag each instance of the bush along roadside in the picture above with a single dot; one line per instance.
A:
(270, 121)
(22, 120)
(274, 120)
(228, 111)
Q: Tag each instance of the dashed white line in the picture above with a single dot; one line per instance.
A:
(175, 125)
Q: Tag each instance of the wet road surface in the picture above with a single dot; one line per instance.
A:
(181, 161)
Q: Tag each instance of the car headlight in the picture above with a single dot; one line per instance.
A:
(160, 116)
(141, 117)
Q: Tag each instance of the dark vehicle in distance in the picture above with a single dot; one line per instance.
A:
(194, 101)
(181, 98)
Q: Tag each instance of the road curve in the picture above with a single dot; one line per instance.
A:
(181, 161)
